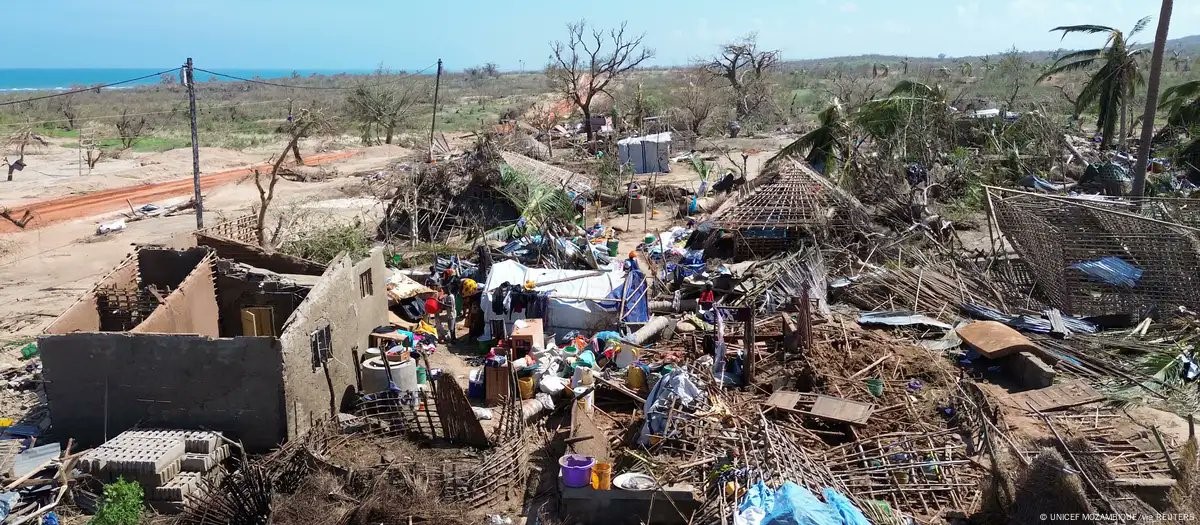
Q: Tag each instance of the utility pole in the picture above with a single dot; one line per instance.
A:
(437, 84)
(190, 79)
(1156, 59)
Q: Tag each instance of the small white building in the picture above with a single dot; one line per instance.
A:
(648, 154)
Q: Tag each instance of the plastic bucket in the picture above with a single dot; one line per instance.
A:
(485, 345)
(525, 385)
(875, 387)
(602, 476)
(422, 375)
(576, 470)
(613, 247)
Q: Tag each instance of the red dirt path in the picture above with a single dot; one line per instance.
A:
(78, 206)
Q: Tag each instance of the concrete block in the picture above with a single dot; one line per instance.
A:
(202, 442)
(1029, 370)
(197, 462)
(994, 340)
(618, 507)
(177, 489)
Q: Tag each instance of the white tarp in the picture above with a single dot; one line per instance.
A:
(571, 303)
(648, 154)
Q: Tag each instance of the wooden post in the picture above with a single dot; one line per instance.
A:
(189, 77)
(751, 362)
(437, 84)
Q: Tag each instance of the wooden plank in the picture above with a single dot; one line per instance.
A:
(844, 410)
(784, 399)
(457, 420)
(1054, 397)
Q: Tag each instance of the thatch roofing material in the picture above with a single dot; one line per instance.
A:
(549, 174)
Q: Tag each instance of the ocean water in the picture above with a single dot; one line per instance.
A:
(36, 79)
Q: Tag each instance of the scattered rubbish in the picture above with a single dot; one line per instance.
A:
(899, 318)
(109, 227)
(1111, 270)
(1027, 323)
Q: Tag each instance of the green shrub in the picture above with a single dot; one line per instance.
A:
(120, 505)
(321, 243)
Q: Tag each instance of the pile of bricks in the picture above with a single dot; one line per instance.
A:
(169, 464)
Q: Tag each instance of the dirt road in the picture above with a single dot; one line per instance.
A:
(49, 211)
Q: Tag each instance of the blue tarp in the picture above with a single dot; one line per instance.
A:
(795, 505)
(633, 290)
(846, 510)
(792, 504)
(1111, 270)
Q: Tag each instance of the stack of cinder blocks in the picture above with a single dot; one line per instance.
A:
(169, 464)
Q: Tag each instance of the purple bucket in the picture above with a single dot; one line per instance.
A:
(576, 470)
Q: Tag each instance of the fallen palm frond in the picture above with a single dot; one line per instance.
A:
(540, 204)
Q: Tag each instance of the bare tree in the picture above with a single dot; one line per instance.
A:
(66, 106)
(544, 121)
(745, 67)
(1012, 67)
(589, 60)
(19, 141)
(698, 101)
(129, 129)
(385, 108)
(303, 125)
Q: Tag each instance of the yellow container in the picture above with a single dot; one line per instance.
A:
(602, 476)
(635, 378)
(6, 422)
(525, 385)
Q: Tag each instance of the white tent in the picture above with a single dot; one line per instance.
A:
(573, 303)
(648, 154)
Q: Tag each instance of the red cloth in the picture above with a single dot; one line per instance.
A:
(432, 307)
(706, 296)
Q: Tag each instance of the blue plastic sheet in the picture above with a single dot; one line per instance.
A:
(846, 510)
(795, 505)
(1111, 270)
(792, 504)
(635, 293)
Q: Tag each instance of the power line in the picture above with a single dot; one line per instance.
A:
(93, 88)
(265, 83)
(86, 118)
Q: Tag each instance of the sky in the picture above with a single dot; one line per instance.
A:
(398, 34)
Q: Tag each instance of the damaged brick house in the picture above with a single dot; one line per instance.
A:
(221, 336)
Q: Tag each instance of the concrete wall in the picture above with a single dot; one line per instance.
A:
(180, 381)
(167, 268)
(335, 302)
(83, 316)
(235, 293)
(191, 308)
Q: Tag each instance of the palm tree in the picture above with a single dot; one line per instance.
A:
(825, 146)
(828, 145)
(986, 62)
(1113, 84)
(1182, 104)
(1160, 43)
